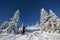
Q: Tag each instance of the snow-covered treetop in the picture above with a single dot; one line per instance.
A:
(44, 15)
(52, 13)
(43, 9)
(16, 16)
(36, 24)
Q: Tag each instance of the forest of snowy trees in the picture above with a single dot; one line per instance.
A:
(49, 23)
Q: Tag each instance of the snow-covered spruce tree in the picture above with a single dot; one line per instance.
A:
(13, 24)
(43, 17)
(53, 21)
(36, 25)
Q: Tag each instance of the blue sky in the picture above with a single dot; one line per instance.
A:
(29, 9)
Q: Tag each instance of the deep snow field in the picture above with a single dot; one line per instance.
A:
(6, 36)
(35, 35)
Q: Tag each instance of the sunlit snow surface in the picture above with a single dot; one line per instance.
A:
(44, 36)
(37, 35)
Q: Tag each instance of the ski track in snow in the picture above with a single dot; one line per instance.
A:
(29, 36)
(14, 37)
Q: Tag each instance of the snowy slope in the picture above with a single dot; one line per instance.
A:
(37, 35)
(43, 36)
(13, 36)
